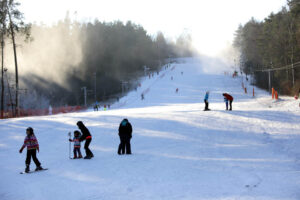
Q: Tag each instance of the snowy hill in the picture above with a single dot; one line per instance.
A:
(179, 151)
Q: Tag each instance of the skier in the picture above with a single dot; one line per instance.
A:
(86, 135)
(206, 101)
(228, 98)
(125, 133)
(32, 145)
(76, 145)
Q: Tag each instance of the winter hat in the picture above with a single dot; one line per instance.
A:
(76, 133)
(30, 130)
(79, 124)
(124, 122)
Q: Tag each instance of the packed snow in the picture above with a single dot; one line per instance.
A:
(179, 150)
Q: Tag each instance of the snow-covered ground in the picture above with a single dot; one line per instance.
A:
(179, 151)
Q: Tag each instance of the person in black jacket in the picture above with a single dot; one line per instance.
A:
(86, 135)
(125, 133)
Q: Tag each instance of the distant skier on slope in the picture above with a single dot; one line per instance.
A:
(86, 135)
(32, 145)
(125, 134)
(228, 98)
(206, 101)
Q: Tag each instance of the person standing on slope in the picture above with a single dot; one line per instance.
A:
(86, 135)
(32, 145)
(77, 145)
(228, 98)
(125, 133)
(206, 101)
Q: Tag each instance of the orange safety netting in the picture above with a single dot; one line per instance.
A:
(41, 112)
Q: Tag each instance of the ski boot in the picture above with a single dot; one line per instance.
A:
(38, 168)
(27, 169)
(88, 157)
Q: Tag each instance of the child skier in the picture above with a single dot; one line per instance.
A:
(32, 145)
(76, 145)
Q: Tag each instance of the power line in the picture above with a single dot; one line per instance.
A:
(291, 66)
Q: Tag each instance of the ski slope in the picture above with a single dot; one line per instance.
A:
(179, 151)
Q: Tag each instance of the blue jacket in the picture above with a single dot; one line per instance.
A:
(206, 96)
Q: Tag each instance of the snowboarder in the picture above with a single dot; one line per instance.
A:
(32, 145)
(125, 133)
(228, 98)
(206, 101)
(77, 145)
(86, 135)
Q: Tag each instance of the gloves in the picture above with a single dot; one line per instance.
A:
(21, 150)
(70, 140)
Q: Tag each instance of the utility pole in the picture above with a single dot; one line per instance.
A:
(84, 94)
(95, 86)
(124, 83)
(145, 70)
(293, 72)
(269, 72)
(8, 86)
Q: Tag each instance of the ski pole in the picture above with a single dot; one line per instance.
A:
(69, 145)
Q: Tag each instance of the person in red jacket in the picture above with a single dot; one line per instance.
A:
(228, 98)
(32, 145)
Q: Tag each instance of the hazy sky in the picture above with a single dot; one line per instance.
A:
(211, 23)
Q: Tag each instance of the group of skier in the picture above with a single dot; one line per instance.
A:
(125, 135)
(228, 99)
(31, 142)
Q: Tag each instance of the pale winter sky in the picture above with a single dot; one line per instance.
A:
(211, 23)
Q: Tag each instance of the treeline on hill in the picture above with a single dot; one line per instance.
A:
(272, 44)
(111, 54)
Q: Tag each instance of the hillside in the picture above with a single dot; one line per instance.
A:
(179, 151)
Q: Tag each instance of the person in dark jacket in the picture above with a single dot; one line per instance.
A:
(228, 98)
(125, 133)
(86, 135)
(32, 145)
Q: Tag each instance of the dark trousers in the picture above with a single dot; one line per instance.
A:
(32, 153)
(230, 105)
(86, 147)
(206, 105)
(77, 151)
(124, 144)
